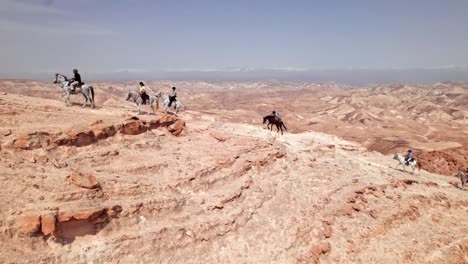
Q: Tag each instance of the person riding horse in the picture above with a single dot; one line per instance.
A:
(409, 157)
(276, 115)
(75, 81)
(144, 96)
(172, 97)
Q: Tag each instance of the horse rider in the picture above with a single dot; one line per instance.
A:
(172, 97)
(76, 80)
(143, 93)
(276, 115)
(409, 157)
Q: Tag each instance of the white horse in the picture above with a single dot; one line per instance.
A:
(401, 161)
(463, 178)
(139, 101)
(165, 100)
(86, 90)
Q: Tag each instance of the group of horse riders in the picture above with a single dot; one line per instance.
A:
(76, 82)
(144, 96)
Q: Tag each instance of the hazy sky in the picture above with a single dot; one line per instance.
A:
(105, 36)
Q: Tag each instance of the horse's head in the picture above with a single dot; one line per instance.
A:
(59, 78)
(395, 156)
(159, 94)
(264, 119)
(129, 95)
(56, 78)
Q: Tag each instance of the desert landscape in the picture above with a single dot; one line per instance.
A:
(213, 185)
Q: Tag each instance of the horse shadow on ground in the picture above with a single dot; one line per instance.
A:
(458, 186)
(135, 112)
(87, 106)
(401, 170)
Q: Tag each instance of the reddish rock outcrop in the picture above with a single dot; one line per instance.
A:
(133, 127)
(84, 181)
(217, 135)
(177, 127)
(29, 225)
(88, 214)
(32, 141)
(446, 162)
(48, 224)
(81, 138)
(85, 137)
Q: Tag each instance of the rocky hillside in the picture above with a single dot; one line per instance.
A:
(105, 186)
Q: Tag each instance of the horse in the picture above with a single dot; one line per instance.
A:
(401, 161)
(86, 90)
(463, 178)
(165, 100)
(139, 101)
(272, 120)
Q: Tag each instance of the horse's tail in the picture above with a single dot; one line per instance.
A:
(92, 93)
(418, 165)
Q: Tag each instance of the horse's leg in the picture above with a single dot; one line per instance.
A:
(139, 108)
(67, 98)
(85, 99)
(152, 107)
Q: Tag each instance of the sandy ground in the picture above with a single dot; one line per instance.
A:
(99, 186)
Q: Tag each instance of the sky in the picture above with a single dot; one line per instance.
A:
(219, 39)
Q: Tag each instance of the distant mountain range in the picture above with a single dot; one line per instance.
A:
(353, 76)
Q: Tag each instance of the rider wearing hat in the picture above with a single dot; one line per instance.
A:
(76, 80)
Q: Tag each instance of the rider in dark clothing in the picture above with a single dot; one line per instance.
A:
(409, 157)
(172, 97)
(276, 115)
(144, 96)
(76, 80)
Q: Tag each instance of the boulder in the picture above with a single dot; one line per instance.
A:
(103, 132)
(5, 132)
(81, 138)
(315, 252)
(32, 141)
(89, 214)
(48, 224)
(133, 127)
(29, 225)
(325, 247)
(217, 135)
(83, 181)
(177, 127)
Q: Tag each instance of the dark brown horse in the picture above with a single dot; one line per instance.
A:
(272, 120)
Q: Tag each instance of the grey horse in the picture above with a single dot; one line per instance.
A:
(401, 161)
(165, 99)
(138, 101)
(86, 90)
(463, 178)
